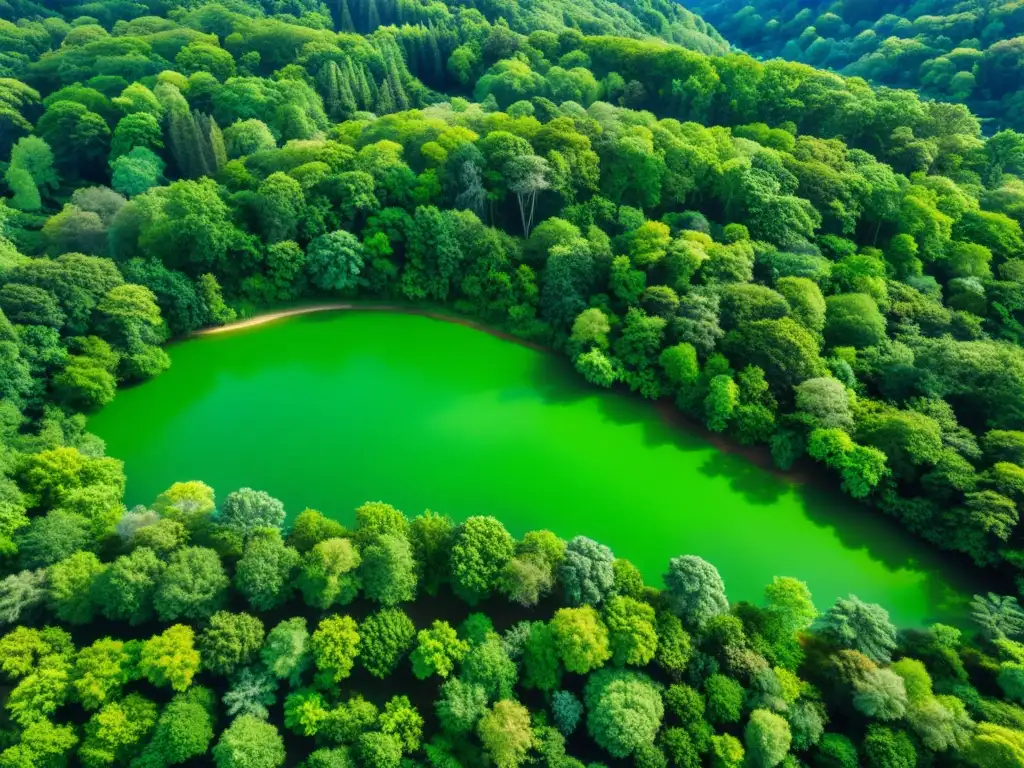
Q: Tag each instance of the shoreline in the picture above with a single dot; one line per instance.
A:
(803, 475)
(341, 306)
(758, 455)
(269, 317)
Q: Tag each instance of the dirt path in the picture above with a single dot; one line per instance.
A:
(344, 306)
(271, 316)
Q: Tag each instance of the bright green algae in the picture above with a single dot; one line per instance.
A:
(333, 409)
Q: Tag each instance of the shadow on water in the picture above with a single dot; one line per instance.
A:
(756, 485)
(948, 578)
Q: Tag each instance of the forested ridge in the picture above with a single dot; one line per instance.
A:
(794, 258)
(970, 51)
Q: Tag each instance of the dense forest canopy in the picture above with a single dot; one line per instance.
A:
(196, 630)
(795, 258)
(970, 51)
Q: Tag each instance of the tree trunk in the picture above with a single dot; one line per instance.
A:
(533, 208)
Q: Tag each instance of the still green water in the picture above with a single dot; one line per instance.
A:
(329, 410)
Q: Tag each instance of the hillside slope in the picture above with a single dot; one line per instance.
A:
(662, 199)
(794, 258)
(970, 51)
(630, 18)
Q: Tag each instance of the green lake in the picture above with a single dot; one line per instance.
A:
(332, 409)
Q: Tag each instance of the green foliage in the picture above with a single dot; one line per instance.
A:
(193, 586)
(675, 648)
(310, 528)
(41, 692)
(880, 694)
(837, 750)
(998, 616)
(437, 651)
(401, 719)
(480, 549)
(580, 638)
(245, 511)
(586, 572)
(126, 589)
(680, 364)
(334, 645)
(230, 641)
(328, 573)
(249, 743)
(567, 711)
(867, 312)
(252, 691)
(42, 744)
(767, 738)
(489, 666)
(385, 638)
(853, 320)
(542, 664)
(30, 173)
(388, 572)
(381, 749)
(284, 221)
(71, 587)
(101, 670)
(184, 729)
(21, 595)
(629, 582)
(115, 732)
(724, 699)
(430, 535)
(170, 658)
(597, 368)
(992, 745)
(51, 538)
(631, 631)
(624, 711)
(504, 731)
(460, 705)
(864, 627)
(335, 261)
(883, 746)
(376, 518)
(695, 590)
(526, 578)
(264, 574)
